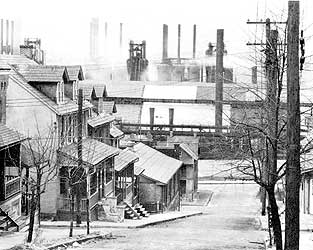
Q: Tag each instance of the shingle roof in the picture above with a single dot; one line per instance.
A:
(124, 158)
(115, 132)
(100, 119)
(93, 151)
(8, 136)
(44, 73)
(75, 72)
(109, 107)
(157, 166)
(18, 60)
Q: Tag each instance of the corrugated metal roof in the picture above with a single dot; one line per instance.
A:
(125, 89)
(124, 158)
(44, 73)
(75, 72)
(157, 166)
(93, 151)
(109, 107)
(8, 136)
(170, 92)
(129, 113)
(100, 120)
(115, 132)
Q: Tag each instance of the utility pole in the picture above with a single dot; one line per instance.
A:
(219, 80)
(79, 153)
(293, 130)
(178, 45)
(194, 41)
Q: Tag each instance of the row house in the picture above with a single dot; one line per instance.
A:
(41, 98)
(159, 181)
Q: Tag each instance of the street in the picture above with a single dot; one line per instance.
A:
(228, 223)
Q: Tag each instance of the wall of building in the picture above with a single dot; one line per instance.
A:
(49, 89)
(68, 89)
(149, 191)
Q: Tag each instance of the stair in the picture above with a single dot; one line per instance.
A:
(131, 212)
(141, 210)
(6, 223)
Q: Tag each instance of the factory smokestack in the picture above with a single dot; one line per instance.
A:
(178, 45)
(94, 39)
(121, 34)
(194, 41)
(7, 50)
(12, 37)
(106, 31)
(1, 36)
(165, 42)
(219, 80)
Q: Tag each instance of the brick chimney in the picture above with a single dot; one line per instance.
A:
(3, 96)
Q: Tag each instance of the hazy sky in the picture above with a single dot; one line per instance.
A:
(63, 25)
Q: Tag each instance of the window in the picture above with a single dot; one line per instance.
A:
(63, 181)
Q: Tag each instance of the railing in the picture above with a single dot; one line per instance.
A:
(119, 198)
(108, 188)
(12, 187)
(129, 188)
(154, 207)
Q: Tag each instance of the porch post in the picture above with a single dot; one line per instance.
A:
(88, 197)
(133, 183)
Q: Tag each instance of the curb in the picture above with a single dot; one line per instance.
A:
(166, 220)
(135, 226)
(79, 240)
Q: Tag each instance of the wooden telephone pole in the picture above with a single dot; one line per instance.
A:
(293, 177)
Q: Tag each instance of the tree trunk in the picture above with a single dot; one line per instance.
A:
(38, 199)
(32, 217)
(275, 219)
(72, 205)
(78, 208)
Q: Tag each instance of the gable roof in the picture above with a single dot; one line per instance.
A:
(109, 107)
(157, 166)
(75, 72)
(8, 136)
(92, 87)
(124, 158)
(44, 73)
(189, 150)
(16, 60)
(93, 151)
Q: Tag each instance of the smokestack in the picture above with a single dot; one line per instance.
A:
(219, 80)
(7, 37)
(106, 31)
(121, 34)
(194, 41)
(165, 42)
(3, 97)
(171, 117)
(1, 36)
(178, 45)
(151, 118)
(12, 37)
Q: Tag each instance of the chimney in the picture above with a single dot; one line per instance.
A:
(178, 45)
(165, 42)
(121, 35)
(12, 38)
(1, 36)
(7, 50)
(151, 118)
(194, 41)
(3, 97)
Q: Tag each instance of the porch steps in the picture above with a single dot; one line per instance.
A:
(6, 223)
(141, 210)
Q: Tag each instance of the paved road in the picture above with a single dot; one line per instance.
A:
(228, 223)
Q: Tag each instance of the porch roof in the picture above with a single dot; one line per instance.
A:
(115, 132)
(93, 151)
(8, 136)
(124, 158)
(100, 120)
(157, 166)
